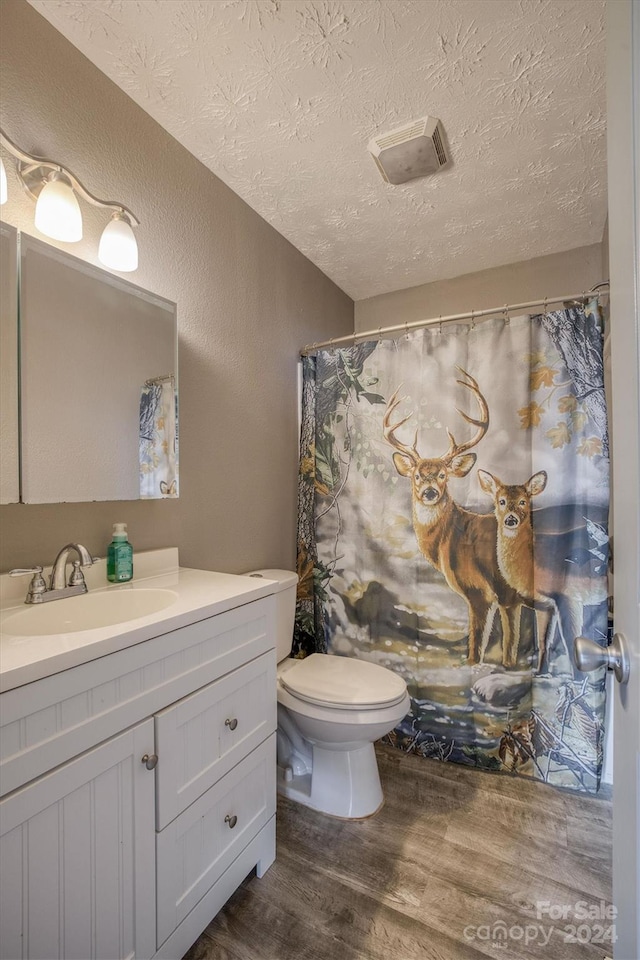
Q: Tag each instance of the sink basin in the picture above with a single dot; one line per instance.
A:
(91, 611)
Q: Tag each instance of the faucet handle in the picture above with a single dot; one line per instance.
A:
(20, 572)
(77, 577)
(37, 587)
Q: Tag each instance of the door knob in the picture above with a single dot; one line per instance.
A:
(591, 656)
(232, 723)
(231, 821)
(150, 760)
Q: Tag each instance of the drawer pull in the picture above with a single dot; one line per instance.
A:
(150, 760)
(231, 821)
(231, 723)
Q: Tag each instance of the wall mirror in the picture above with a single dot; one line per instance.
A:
(98, 383)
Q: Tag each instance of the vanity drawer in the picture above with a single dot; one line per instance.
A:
(195, 850)
(200, 738)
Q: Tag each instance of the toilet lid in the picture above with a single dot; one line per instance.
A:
(343, 682)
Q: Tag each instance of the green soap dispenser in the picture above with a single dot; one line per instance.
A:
(120, 556)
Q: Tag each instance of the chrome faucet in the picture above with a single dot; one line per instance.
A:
(38, 592)
(58, 579)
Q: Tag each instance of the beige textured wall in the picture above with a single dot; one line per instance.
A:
(247, 301)
(563, 273)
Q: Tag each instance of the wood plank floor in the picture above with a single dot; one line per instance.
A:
(455, 859)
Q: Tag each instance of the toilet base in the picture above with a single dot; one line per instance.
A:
(343, 783)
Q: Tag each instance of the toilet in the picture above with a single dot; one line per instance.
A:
(331, 709)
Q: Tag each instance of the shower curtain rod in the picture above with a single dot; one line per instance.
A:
(570, 300)
(152, 381)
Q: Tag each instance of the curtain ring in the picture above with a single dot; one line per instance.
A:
(440, 325)
(379, 334)
(505, 310)
(406, 329)
(473, 319)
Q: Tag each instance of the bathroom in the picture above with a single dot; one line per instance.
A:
(248, 300)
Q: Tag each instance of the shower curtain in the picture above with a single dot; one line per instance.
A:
(452, 526)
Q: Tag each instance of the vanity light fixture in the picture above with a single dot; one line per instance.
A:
(58, 213)
(55, 190)
(118, 247)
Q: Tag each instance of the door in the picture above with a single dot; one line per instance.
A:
(77, 858)
(623, 149)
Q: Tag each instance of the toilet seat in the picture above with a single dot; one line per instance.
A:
(342, 682)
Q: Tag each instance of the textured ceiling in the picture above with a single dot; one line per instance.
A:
(280, 97)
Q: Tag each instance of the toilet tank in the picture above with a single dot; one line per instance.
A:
(285, 593)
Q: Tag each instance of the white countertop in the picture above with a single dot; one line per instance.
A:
(199, 594)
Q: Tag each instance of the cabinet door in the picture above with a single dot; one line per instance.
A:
(199, 739)
(77, 864)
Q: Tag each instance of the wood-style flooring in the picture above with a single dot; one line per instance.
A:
(455, 860)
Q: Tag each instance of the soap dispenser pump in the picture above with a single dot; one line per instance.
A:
(119, 555)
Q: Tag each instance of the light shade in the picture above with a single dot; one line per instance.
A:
(118, 249)
(58, 212)
(3, 184)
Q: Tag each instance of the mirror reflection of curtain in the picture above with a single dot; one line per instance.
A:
(458, 535)
(158, 439)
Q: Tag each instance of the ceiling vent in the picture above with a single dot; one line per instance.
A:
(415, 150)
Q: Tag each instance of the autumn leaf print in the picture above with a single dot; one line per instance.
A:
(578, 419)
(542, 377)
(530, 416)
(559, 435)
(590, 447)
(536, 358)
(308, 464)
(305, 574)
(551, 380)
(567, 404)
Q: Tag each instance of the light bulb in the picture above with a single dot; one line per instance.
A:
(58, 212)
(3, 184)
(118, 249)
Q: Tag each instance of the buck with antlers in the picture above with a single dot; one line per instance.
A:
(460, 544)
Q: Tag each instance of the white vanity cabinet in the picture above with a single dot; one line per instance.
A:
(102, 857)
(77, 857)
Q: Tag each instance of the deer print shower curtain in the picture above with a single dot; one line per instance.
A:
(453, 502)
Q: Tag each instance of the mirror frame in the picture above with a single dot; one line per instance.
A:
(9, 411)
